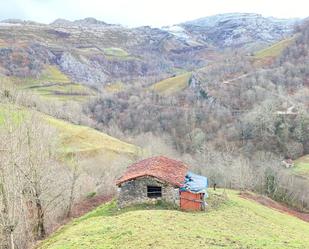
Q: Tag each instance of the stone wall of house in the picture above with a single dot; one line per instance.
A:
(135, 192)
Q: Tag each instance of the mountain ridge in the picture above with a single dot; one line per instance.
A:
(239, 29)
(96, 53)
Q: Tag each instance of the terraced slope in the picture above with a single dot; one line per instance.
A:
(173, 84)
(238, 223)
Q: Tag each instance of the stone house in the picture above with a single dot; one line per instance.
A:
(152, 179)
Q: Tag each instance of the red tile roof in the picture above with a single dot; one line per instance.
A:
(163, 168)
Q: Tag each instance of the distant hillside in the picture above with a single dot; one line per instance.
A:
(51, 84)
(76, 139)
(87, 141)
(173, 84)
(237, 223)
(273, 51)
(95, 53)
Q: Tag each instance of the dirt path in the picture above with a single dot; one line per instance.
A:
(275, 205)
(236, 78)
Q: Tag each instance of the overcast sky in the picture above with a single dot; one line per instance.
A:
(145, 12)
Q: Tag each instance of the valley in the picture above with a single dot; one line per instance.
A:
(82, 100)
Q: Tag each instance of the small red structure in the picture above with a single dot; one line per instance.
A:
(191, 201)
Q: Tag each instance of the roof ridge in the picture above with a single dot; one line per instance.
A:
(161, 167)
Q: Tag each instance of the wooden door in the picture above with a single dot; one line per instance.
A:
(190, 201)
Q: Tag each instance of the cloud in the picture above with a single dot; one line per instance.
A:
(143, 12)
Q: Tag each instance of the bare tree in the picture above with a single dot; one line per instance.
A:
(41, 173)
(11, 206)
(74, 177)
(32, 182)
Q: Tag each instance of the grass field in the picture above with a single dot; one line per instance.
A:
(302, 166)
(52, 84)
(237, 223)
(115, 52)
(274, 50)
(173, 84)
(50, 74)
(53, 74)
(67, 91)
(118, 53)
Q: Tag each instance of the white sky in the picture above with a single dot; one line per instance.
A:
(146, 12)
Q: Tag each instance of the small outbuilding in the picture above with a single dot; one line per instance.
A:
(162, 178)
(288, 163)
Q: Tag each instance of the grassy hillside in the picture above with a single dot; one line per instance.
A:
(67, 91)
(302, 166)
(274, 50)
(173, 84)
(50, 74)
(87, 141)
(75, 138)
(238, 223)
